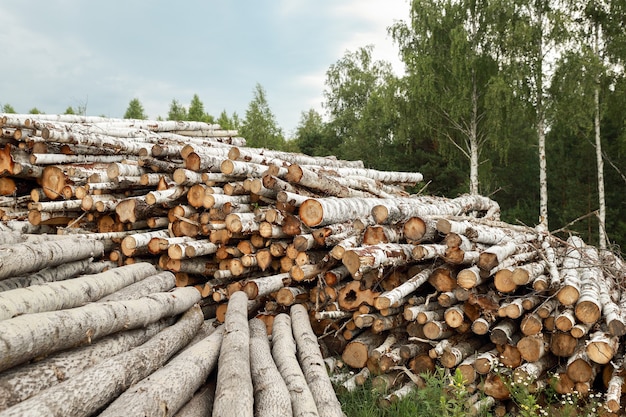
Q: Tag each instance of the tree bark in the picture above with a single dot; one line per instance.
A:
(26, 337)
(234, 392)
(55, 273)
(70, 293)
(312, 363)
(23, 382)
(284, 354)
(271, 396)
(158, 282)
(98, 385)
(22, 258)
(165, 391)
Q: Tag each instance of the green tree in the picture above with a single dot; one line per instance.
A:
(69, 110)
(7, 108)
(259, 127)
(35, 110)
(311, 134)
(228, 123)
(135, 110)
(196, 111)
(177, 111)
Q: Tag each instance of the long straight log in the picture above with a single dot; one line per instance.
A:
(97, 386)
(284, 354)
(312, 363)
(70, 293)
(234, 392)
(26, 337)
(173, 385)
(23, 382)
(29, 257)
(271, 396)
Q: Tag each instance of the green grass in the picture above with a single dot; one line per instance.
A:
(445, 395)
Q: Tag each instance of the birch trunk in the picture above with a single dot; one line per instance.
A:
(55, 273)
(271, 396)
(284, 354)
(86, 393)
(312, 363)
(29, 257)
(201, 404)
(165, 391)
(70, 293)
(159, 282)
(29, 336)
(366, 258)
(23, 382)
(234, 392)
(392, 298)
(570, 290)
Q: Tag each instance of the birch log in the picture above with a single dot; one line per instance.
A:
(271, 396)
(234, 392)
(22, 258)
(70, 293)
(23, 382)
(55, 273)
(97, 386)
(312, 364)
(26, 337)
(165, 391)
(284, 354)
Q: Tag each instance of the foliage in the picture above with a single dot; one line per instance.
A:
(69, 110)
(35, 110)
(177, 111)
(228, 123)
(135, 110)
(7, 108)
(259, 127)
(196, 111)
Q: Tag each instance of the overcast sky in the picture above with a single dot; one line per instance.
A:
(60, 53)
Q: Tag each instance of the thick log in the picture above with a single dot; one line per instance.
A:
(26, 337)
(70, 293)
(284, 354)
(98, 385)
(234, 391)
(366, 258)
(570, 289)
(310, 358)
(271, 396)
(201, 404)
(170, 387)
(21, 258)
(601, 347)
(23, 382)
(159, 282)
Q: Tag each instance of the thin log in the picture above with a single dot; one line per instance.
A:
(284, 354)
(271, 396)
(310, 358)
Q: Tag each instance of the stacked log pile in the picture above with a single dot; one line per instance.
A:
(396, 284)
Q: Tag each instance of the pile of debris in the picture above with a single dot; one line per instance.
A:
(395, 283)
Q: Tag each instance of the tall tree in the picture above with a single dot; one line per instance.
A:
(228, 122)
(259, 127)
(135, 110)
(310, 134)
(355, 100)
(70, 110)
(35, 110)
(531, 35)
(177, 111)
(447, 52)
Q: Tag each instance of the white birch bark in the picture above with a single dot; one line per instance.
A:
(271, 396)
(159, 282)
(393, 298)
(234, 391)
(26, 337)
(55, 273)
(365, 258)
(312, 363)
(165, 391)
(570, 289)
(72, 292)
(29, 257)
(97, 386)
(23, 382)
(284, 354)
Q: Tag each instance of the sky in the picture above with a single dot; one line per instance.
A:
(60, 53)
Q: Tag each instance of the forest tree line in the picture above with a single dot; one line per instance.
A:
(521, 101)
